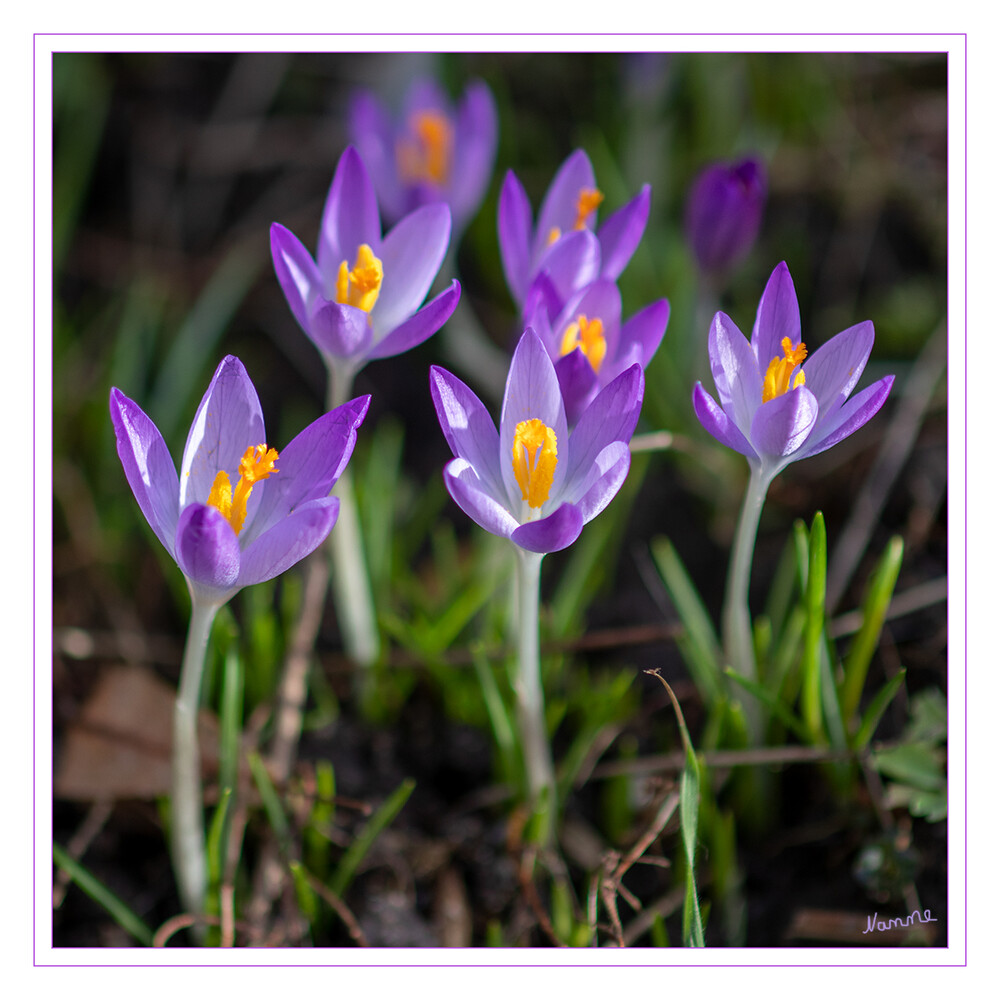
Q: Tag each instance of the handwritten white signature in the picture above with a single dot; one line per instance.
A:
(874, 924)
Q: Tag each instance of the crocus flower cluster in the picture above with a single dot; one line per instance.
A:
(240, 512)
(775, 406)
(535, 481)
(360, 299)
(432, 152)
(724, 212)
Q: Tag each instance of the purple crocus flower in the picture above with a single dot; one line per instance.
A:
(433, 152)
(360, 299)
(240, 512)
(561, 247)
(774, 406)
(724, 210)
(590, 346)
(535, 482)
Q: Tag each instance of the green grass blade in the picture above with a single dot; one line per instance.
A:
(215, 844)
(503, 726)
(103, 896)
(774, 703)
(815, 596)
(269, 798)
(875, 711)
(381, 818)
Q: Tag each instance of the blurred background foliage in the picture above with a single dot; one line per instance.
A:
(170, 168)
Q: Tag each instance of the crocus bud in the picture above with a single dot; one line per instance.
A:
(724, 212)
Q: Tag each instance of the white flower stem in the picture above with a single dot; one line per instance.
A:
(352, 591)
(530, 699)
(187, 833)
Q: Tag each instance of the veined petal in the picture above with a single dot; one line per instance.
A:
(350, 216)
(467, 490)
(148, 467)
(734, 369)
(833, 369)
(782, 425)
(296, 271)
(412, 253)
(854, 414)
(308, 466)
(468, 429)
(559, 206)
(424, 323)
(645, 329)
(288, 540)
(339, 331)
(514, 232)
(532, 392)
(777, 317)
(714, 419)
(476, 130)
(227, 422)
(620, 234)
(607, 475)
(207, 550)
(550, 534)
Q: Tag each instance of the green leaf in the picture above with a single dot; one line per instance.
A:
(916, 764)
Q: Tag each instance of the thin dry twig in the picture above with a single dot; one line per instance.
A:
(338, 906)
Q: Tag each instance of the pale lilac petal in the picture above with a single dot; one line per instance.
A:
(148, 467)
(297, 273)
(476, 130)
(735, 372)
(714, 419)
(514, 232)
(424, 94)
(373, 135)
(550, 534)
(855, 413)
(571, 262)
(350, 216)
(777, 318)
(607, 475)
(781, 425)
(832, 370)
(558, 209)
(288, 540)
(468, 429)
(339, 331)
(423, 324)
(228, 421)
(577, 383)
(532, 392)
(308, 466)
(645, 331)
(412, 253)
(470, 492)
(620, 234)
(206, 548)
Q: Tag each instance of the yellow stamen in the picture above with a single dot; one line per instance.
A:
(588, 335)
(255, 465)
(534, 460)
(779, 371)
(554, 233)
(426, 154)
(588, 201)
(360, 287)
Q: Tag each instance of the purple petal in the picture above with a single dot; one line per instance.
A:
(734, 369)
(148, 467)
(372, 134)
(777, 318)
(339, 331)
(297, 274)
(423, 324)
(412, 253)
(350, 217)
(532, 392)
(577, 383)
(713, 418)
(572, 262)
(833, 370)
(476, 132)
(468, 428)
(645, 331)
(470, 492)
(850, 417)
(620, 234)
(424, 94)
(781, 425)
(207, 549)
(558, 209)
(288, 541)
(559, 529)
(607, 474)
(514, 232)
(228, 421)
(598, 300)
(308, 466)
